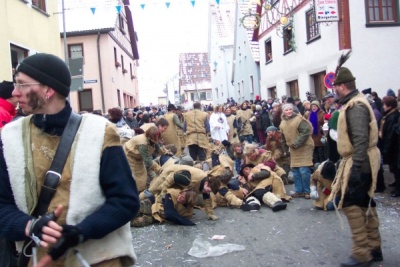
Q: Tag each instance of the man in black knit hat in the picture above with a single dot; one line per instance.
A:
(96, 196)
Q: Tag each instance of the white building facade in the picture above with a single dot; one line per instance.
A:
(296, 57)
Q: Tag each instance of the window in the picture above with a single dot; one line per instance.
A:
(209, 95)
(381, 12)
(40, 4)
(251, 84)
(121, 23)
(268, 51)
(287, 39)
(130, 67)
(123, 65)
(85, 100)
(272, 92)
(117, 64)
(75, 50)
(294, 88)
(119, 97)
(313, 31)
(198, 96)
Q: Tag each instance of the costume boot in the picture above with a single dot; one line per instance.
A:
(143, 220)
(374, 237)
(275, 203)
(359, 234)
(209, 210)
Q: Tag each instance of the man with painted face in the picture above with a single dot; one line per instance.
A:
(356, 176)
(96, 196)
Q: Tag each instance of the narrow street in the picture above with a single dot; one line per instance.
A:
(297, 236)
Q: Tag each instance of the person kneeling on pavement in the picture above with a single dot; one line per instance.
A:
(177, 207)
(230, 193)
(321, 185)
(264, 185)
(255, 156)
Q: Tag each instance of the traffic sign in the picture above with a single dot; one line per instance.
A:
(328, 80)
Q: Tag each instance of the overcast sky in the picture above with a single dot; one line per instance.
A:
(163, 34)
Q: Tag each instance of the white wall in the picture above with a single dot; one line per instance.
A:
(374, 60)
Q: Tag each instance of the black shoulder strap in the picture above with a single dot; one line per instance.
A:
(52, 179)
(53, 175)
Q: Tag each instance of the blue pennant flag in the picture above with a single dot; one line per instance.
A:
(217, 2)
(93, 10)
(193, 2)
(167, 4)
(118, 9)
(142, 5)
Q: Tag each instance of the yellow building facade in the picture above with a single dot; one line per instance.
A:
(27, 27)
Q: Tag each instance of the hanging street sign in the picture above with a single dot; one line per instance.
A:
(326, 10)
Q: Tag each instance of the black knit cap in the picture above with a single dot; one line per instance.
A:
(48, 70)
(6, 89)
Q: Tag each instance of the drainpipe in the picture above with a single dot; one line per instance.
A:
(100, 72)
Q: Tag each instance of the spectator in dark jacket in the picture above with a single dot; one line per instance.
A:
(378, 101)
(387, 134)
(265, 119)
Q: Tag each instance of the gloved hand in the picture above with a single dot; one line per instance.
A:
(36, 226)
(355, 178)
(355, 189)
(71, 236)
(212, 217)
(314, 193)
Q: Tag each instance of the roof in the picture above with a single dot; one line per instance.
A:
(80, 18)
(194, 68)
(223, 19)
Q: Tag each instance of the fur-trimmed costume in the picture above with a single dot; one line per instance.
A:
(137, 161)
(80, 175)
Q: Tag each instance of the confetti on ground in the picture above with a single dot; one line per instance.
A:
(217, 237)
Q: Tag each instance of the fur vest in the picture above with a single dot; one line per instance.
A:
(80, 174)
(345, 149)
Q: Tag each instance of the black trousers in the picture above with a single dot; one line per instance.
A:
(197, 153)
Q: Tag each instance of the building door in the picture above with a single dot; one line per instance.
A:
(320, 89)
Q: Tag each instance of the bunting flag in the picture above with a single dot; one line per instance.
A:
(118, 9)
(142, 6)
(93, 10)
(193, 2)
(167, 4)
(217, 2)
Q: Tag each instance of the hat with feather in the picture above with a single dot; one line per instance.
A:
(343, 74)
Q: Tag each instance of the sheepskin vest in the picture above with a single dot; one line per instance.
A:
(245, 115)
(80, 175)
(157, 209)
(302, 156)
(170, 135)
(345, 149)
(196, 129)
